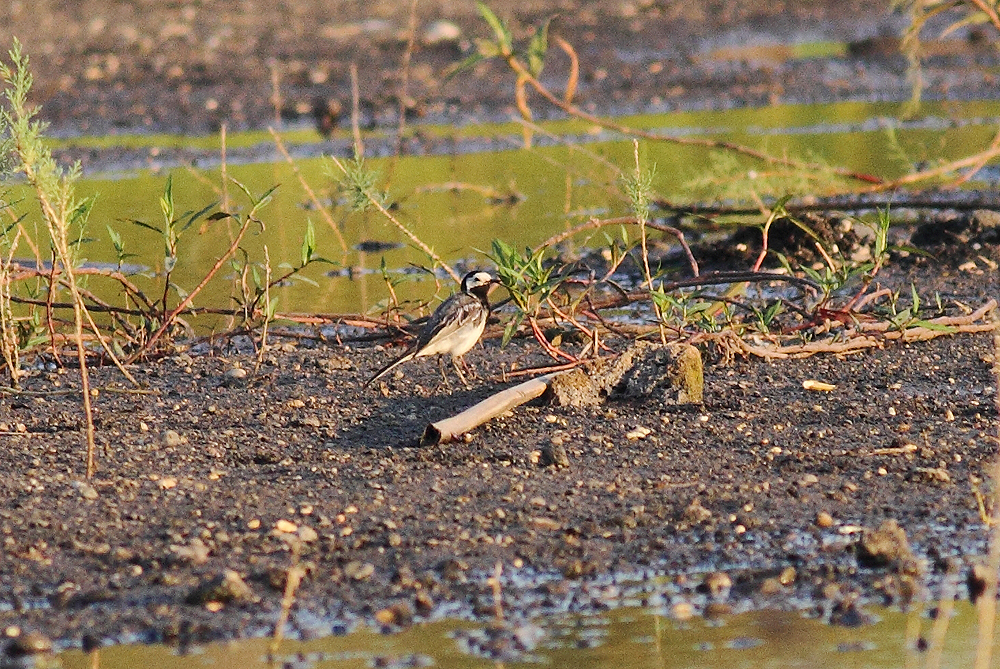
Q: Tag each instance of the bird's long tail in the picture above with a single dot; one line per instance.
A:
(388, 368)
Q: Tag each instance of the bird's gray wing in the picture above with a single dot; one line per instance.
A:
(454, 313)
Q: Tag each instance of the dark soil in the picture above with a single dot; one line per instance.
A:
(104, 67)
(767, 482)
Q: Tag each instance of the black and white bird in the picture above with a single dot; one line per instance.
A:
(454, 327)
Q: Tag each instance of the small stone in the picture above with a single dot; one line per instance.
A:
(222, 589)
(717, 584)
(236, 376)
(553, 455)
(542, 523)
(423, 601)
(886, 546)
(824, 519)
(167, 482)
(682, 611)
(286, 527)
(399, 615)
(359, 571)
(808, 479)
(86, 490)
(307, 534)
(639, 432)
(441, 31)
(195, 552)
(171, 439)
(695, 513)
(787, 576)
(771, 586)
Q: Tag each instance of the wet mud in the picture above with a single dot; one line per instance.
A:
(213, 483)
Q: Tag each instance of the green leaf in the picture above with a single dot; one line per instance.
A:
(467, 63)
(502, 32)
(538, 47)
(512, 325)
(196, 215)
(116, 240)
(308, 243)
(931, 326)
(167, 201)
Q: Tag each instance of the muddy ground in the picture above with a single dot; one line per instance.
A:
(207, 472)
(124, 67)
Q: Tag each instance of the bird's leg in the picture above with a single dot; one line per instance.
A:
(454, 362)
(469, 368)
(444, 372)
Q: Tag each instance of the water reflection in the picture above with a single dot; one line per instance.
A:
(621, 638)
(445, 199)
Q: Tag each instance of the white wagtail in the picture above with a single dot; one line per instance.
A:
(454, 327)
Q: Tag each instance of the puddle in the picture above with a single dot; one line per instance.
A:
(628, 637)
(442, 199)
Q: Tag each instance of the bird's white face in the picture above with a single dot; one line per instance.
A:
(475, 280)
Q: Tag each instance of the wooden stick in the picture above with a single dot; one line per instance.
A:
(449, 429)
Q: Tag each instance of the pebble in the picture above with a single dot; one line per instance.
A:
(359, 571)
(554, 455)
(682, 611)
(886, 546)
(696, 513)
(808, 479)
(86, 490)
(824, 519)
(286, 527)
(771, 586)
(717, 584)
(237, 376)
(441, 31)
(171, 439)
(224, 588)
(639, 432)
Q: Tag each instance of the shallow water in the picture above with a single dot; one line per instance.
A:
(629, 637)
(557, 185)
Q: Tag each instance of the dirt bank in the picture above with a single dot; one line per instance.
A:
(201, 472)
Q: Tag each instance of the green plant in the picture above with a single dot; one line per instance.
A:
(62, 212)
(529, 280)
(360, 185)
(253, 280)
(10, 349)
(171, 229)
